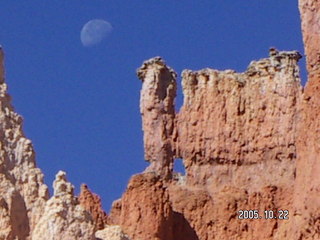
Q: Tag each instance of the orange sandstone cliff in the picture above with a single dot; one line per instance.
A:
(248, 141)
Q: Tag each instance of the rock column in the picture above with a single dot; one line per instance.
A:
(158, 113)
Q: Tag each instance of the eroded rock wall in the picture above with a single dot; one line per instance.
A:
(240, 127)
(307, 191)
(236, 134)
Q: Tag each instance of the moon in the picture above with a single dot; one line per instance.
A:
(94, 32)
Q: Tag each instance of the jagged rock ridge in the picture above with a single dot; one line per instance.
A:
(22, 192)
(26, 211)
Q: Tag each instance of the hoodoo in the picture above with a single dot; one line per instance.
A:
(249, 142)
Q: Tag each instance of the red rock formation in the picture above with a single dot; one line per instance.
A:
(236, 133)
(236, 124)
(146, 211)
(307, 191)
(146, 201)
(92, 203)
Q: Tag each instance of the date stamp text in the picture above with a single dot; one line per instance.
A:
(266, 214)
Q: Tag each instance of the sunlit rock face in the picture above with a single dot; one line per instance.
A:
(92, 203)
(63, 217)
(22, 191)
(236, 134)
(233, 126)
(158, 113)
(26, 212)
(111, 232)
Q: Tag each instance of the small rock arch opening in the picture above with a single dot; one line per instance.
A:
(179, 172)
(178, 167)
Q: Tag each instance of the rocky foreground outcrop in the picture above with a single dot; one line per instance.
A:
(26, 209)
(248, 141)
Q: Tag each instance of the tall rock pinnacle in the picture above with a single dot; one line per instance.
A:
(158, 112)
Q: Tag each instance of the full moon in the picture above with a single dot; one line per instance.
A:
(94, 32)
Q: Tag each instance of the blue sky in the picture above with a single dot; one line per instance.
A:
(81, 105)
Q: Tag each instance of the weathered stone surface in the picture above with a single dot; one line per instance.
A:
(111, 232)
(310, 23)
(307, 192)
(92, 203)
(63, 217)
(215, 217)
(114, 216)
(22, 191)
(25, 211)
(236, 124)
(157, 108)
(236, 134)
(145, 209)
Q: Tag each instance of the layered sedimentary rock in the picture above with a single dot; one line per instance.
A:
(22, 191)
(145, 210)
(146, 201)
